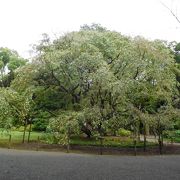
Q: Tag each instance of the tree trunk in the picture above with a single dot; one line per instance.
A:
(162, 139)
(29, 134)
(159, 137)
(101, 145)
(68, 140)
(135, 147)
(87, 131)
(114, 133)
(24, 133)
(135, 139)
(138, 131)
(160, 143)
(144, 133)
(9, 144)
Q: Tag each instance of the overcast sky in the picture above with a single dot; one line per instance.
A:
(23, 21)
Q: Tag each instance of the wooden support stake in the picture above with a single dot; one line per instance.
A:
(135, 147)
(101, 145)
(38, 140)
(9, 144)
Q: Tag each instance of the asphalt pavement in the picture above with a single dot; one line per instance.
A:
(32, 165)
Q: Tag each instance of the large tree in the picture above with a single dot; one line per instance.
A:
(111, 80)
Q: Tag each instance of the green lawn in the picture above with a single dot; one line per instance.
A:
(173, 135)
(108, 142)
(16, 137)
(175, 139)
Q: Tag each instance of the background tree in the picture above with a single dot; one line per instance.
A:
(9, 61)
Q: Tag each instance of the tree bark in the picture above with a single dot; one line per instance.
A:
(135, 139)
(160, 144)
(159, 137)
(144, 133)
(68, 139)
(138, 131)
(24, 133)
(29, 134)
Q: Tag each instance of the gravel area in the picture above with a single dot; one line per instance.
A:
(32, 165)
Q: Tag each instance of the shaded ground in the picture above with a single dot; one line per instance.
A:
(111, 145)
(26, 165)
(151, 150)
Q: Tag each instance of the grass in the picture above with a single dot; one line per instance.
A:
(110, 141)
(16, 136)
(173, 135)
(175, 139)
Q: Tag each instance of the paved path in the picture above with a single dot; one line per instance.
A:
(25, 165)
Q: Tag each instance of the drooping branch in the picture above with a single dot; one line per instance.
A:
(170, 10)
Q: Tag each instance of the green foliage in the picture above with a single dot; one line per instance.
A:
(63, 126)
(9, 61)
(93, 80)
(15, 108)
(93, 27)
(177, 53)
(7, 114)
(17, 136)
(41, 121)
(177, 133)
(21, 128)
(124, 132)
(172, 135)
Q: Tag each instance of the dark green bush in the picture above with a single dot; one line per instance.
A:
(41, 121)
(40, 124)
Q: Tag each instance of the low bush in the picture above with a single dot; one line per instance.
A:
(123, 132)
(177, 133)
(40, 124)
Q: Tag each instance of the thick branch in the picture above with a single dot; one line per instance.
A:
(137, 72)
(112, 60)
(58, 81)
(75, 87)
